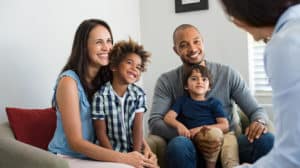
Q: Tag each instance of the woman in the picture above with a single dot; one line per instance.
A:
(80, 78)
(278, 24)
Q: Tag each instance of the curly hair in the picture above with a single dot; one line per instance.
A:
(123, 48)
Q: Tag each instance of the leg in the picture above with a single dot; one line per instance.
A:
(250, 152)
(181, 152)
(213, 134)
(230, 152)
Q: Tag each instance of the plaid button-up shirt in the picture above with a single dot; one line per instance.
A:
(107, 106)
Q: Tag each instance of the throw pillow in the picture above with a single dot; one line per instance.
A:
(32, 126)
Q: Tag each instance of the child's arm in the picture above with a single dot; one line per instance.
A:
(138, 132)
(222, 123)
(100, 127)
(170, 119)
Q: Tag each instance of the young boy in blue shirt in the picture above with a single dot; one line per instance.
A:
(118, 106)
(201, 119)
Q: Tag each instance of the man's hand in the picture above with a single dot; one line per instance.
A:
(255, 130)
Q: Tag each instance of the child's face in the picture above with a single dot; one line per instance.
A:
(197, 85)
(129, 70)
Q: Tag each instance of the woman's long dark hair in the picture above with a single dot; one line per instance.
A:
(258, 13)
(79, 58)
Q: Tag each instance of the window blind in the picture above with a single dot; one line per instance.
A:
(258, 79)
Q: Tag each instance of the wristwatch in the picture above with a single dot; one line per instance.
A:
(261, 121)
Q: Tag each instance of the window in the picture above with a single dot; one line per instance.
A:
(259, 83)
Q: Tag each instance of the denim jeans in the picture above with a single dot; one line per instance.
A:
(250, 152)
(181, 152)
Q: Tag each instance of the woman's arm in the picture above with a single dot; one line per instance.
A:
(100, 128)
(68, 104)
(138, 132)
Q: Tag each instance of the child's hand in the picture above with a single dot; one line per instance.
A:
(183, 131)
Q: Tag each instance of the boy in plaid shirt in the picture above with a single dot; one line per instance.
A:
(118, 106)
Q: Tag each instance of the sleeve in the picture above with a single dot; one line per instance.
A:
(218, 109)
(242, 96)
(177, 106)
(141, 104)
(161, 103)
(98, 107)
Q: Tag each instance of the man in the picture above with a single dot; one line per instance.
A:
(228, 88)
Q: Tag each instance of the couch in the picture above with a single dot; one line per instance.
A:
(14, 154)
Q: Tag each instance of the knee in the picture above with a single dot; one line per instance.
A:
(265, 142)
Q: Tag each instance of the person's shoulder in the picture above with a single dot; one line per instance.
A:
(68, 78)
(104, 89)
(174, 73)
(218, 66)
(221, 69)
(214, 101)
(183, 97)
(137, 90)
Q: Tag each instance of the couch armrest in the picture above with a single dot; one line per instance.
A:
(159, 146)
(5, 131)
(15, 154)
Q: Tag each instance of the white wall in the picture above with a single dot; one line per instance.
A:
(224, 43)
(36, 38)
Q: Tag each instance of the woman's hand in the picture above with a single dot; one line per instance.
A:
(134, 159)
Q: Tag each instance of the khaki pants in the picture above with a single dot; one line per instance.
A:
(229, 148)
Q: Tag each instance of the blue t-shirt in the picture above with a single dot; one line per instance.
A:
(193, 113)
(59, 143)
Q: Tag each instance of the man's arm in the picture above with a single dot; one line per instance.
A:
(248, 104)
(161, 103)
(241, 94)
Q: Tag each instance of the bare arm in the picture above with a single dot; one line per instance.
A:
(102, 137)
(68, 104)
(138, 132)
(170, 119)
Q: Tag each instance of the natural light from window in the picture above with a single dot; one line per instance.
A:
(259, 84)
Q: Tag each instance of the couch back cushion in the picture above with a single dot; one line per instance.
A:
(32, 126)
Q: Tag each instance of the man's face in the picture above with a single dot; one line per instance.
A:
(189, 46)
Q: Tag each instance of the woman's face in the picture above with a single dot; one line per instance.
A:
(99, 45)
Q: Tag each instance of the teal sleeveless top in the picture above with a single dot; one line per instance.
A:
(59, 143)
